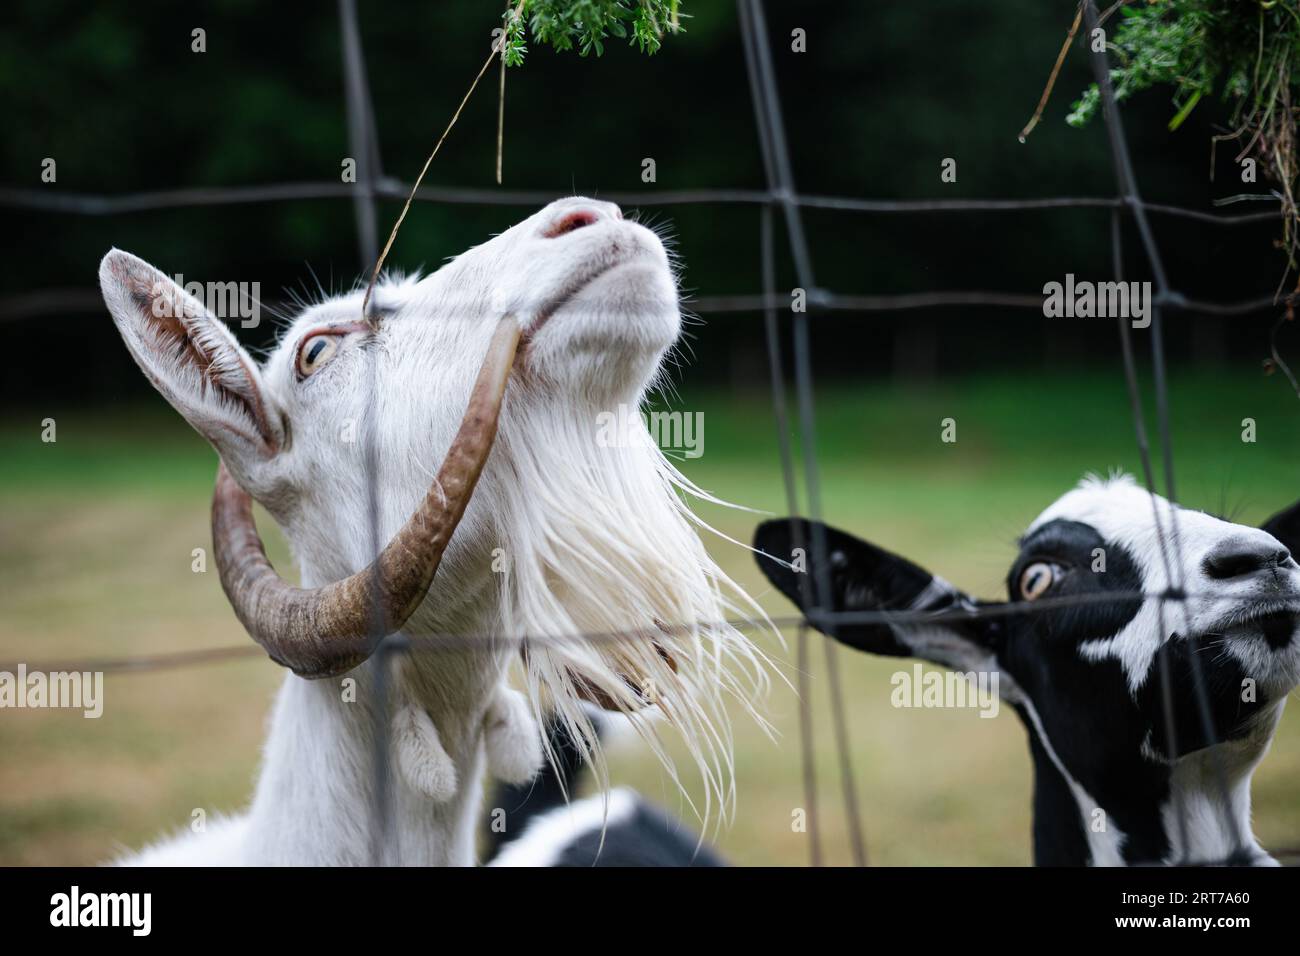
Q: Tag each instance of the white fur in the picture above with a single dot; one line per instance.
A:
(512, 738)
(1199, 798)
(594, 539)
(423, 760)
(222, 844)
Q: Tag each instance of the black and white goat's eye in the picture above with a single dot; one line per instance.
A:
(1036, 578)
(315, 351)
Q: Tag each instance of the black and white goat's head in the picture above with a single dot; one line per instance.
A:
(1123, 774)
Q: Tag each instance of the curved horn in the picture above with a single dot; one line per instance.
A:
(326, 631)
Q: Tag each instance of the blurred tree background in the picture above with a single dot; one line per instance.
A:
(883, 94)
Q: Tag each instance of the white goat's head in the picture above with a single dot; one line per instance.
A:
(1085, 668)
(566, 534)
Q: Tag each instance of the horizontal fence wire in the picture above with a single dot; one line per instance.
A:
(368, 189)
(90, 302)
(87, 302)
(820, 619)
(389, 188)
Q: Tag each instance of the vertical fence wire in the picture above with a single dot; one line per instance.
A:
(362, 142)
(1127, 182)
(1144, 452)
(780, 178)
(780, 416)
(776, 362)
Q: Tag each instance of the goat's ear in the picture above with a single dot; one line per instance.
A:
(192, 359)
(1285, 526)
(864, 577)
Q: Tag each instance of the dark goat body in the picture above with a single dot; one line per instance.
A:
(534, 824)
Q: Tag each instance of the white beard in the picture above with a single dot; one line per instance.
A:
(601, 543)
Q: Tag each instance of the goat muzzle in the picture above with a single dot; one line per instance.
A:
(327, 631)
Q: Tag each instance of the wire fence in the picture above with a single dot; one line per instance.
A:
(87, 301)
(780, 196)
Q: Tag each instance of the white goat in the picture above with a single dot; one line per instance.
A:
(566, 534)
(1115, 780)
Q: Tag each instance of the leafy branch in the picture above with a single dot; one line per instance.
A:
(585, 25)
(1198, 47)
(1245, 52)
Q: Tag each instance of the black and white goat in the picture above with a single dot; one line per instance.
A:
(1112, 784)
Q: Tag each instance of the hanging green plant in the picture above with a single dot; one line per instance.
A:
(1243, 51)
(584, 25)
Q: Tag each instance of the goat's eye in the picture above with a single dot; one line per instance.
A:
(315, 351)
(1036, 578)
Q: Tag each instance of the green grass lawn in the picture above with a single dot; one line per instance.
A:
(98, 529)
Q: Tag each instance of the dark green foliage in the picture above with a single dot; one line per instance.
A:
(1237, 49)
(1244, 51)
(585, 24)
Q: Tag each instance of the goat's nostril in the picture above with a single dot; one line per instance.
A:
(570, 221)
(1238, 558)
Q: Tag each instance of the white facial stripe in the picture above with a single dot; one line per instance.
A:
(1105, 848)
(1134, 646)
(938, 593)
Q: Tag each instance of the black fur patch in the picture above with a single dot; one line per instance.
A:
(1222, 676)
(862, 577)
(647, 838)
(1074, 546)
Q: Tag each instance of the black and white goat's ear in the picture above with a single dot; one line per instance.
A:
(863, 577)
(192, 359)
(1285, 526)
